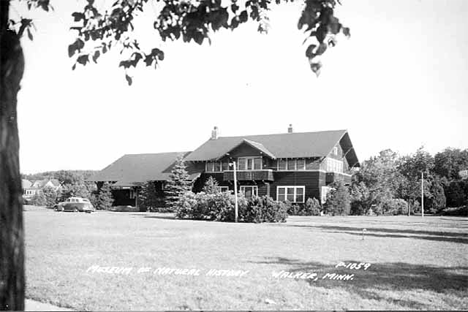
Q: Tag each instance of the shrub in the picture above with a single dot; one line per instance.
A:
(220, 206)
(186, 206)
(211, 186)
(338, 200)
(50, 197)
(311, 208)
(358, 208)
(460, 211)
(38, 199)
(265, 209)
(395, 206)
(292, 209)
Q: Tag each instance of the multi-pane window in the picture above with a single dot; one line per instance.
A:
(300, 164)
(334, 165)
(282, 164)
(224, 188)
(293, 194)
(250, 163)
(216, 166)
(291, 164)
(249, 190)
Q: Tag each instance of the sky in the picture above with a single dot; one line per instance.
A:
(399, 82)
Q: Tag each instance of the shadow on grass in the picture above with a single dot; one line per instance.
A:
(164, 216)
(461, 238)
(384, 281)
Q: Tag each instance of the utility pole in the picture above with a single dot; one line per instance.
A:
(422, 193)
(235, 191)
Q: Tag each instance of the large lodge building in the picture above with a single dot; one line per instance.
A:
(287, 166)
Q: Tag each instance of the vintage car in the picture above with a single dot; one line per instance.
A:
(76, 204)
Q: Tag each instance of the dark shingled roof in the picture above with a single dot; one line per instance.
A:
(284, 145)
(133, 169)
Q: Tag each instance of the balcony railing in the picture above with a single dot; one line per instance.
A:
(249, 175)
(335, 177)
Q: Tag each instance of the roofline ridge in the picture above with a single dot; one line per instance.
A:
(159, 153)
(282, 133)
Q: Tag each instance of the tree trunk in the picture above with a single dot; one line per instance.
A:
(12, 281)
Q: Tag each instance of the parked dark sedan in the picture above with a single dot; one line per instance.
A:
(76, 204)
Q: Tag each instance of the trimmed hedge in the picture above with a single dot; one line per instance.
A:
(220, 206)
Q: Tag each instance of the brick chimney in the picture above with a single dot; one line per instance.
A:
(214, 133)
(290, 128)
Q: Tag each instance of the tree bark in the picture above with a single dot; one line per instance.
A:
(12, 281)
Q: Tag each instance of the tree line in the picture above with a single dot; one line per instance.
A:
(393, 184)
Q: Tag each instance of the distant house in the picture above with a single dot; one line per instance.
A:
(128, 173)
(32, 188)
(286, 166)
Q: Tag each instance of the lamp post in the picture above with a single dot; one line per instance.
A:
(235, 191)
(422, 193)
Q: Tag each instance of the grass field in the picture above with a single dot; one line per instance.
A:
(415, 263)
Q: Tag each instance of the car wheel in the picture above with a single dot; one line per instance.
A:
(75, 210)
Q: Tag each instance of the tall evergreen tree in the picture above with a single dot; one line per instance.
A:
(179, 182)
(148, 196)
(105, 199)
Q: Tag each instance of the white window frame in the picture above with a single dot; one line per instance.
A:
(324, 192)
(252, 159)
(254, 187)
(334, 165)
(210, 165)
(303, 167)
(293, 162)
(295, 187)
(224, 188)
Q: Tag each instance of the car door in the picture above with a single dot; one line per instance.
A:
(69, 204)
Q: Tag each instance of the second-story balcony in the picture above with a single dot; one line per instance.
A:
(335, 177)
(249, 175)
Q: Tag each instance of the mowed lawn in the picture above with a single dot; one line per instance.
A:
(415, 263)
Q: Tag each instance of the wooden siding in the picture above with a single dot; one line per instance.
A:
(245, 150)
(312, 180)
(335, 177)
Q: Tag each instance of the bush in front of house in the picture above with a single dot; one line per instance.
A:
(265, 209)
(220, 206)
(311, 207)
(338, 200)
